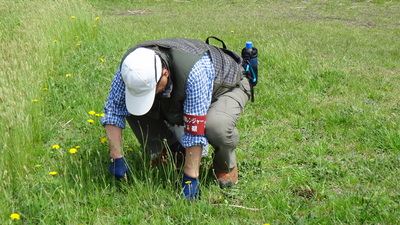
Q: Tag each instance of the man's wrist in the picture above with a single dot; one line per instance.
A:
(115, 155)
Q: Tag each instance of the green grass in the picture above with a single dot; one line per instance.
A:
(320, 145)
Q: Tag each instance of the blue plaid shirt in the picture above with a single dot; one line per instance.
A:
(198, 99)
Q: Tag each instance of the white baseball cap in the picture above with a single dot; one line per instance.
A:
(140, 70)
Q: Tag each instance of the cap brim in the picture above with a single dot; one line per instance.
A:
(139, 106)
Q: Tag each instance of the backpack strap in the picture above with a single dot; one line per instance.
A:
(213, 37)
(249, 73)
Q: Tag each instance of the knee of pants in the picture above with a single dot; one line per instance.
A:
(221, 134)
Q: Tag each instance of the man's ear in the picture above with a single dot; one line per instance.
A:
(165, 73)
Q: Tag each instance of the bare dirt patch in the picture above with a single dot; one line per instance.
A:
(131, 12)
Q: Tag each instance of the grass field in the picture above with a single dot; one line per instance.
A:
(320, 144)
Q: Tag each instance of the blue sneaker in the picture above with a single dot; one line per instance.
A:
(119, 168)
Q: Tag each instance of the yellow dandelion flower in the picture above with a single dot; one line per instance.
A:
(102, 60)
(78, 44)
(102, 115)
(45, 89)
(38, 165)
(220, 197)
(188, 182)
(77, 146)
(266, 224)
(90, 121)
(55, 146)
(130, 149)
(103, 140)
(73, 150)
(53, 173)
(68, 75)
(91, 112)
(97, 114)
(266, 184)
(232, 31)
(55, 41)
(372, 159)
(73, 17)
(97, 18)
(15, 216)
(35, 100)
(94, 26)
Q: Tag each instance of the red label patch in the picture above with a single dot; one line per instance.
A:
(194, 124)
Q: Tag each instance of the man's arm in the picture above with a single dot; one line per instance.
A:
(198, 100)
(192, 160)
(118, 166)
(114, 135)
(115, 111)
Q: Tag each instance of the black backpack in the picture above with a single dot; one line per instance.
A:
(249, 71)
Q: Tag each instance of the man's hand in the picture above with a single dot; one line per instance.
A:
(190, 187)
(190, 183)
(119, 168)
